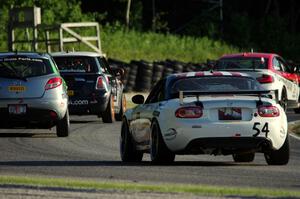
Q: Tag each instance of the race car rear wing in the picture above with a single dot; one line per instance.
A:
(258, 93)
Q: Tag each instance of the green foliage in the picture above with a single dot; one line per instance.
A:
(270, 34)
(116, 41)
(136, 14)
(53, 12)
(239, 31)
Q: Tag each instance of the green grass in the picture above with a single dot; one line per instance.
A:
(143, 187)
(133, 45)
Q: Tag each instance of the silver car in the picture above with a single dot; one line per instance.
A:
(32, 93)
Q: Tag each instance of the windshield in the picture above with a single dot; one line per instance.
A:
(213, 84)
(240, 63)
(23, 67)
(79, 64)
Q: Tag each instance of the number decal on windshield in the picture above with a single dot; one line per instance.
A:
(258, 129)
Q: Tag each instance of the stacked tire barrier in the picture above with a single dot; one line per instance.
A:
(158, 72)
(132, 71)
(141, 75)
(144, 76)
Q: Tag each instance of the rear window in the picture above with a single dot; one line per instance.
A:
(76, 64)
(211, 84)
(242, 63)
(24, 67)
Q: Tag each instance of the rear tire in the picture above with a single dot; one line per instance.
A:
(128, 150)
(280, 156)
(159, 152)
(247, 157)
(119, 116)
(283, 102)
(108, 116)
(63, 126)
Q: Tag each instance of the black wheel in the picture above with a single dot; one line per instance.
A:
(283, 101)
(63, 126)
(159, 152)
(247, 157)
(122, 108)
(128, 151)
(108, 116)
(280, 156)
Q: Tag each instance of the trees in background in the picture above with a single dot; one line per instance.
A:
(264, 25)
(269, 25)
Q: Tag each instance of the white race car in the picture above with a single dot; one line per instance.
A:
(210, 112)
(270, 70)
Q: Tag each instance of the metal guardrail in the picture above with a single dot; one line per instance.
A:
(76, 37)
(64, 33)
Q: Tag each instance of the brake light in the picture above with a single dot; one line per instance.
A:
(53, 83)
(53, 115)
(265, 79)
(268, 111)
(189, 112)
(101, 84)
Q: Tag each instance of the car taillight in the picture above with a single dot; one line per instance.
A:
(268, 111)
(101, 84)
(265, 79)
(53, 83)
(53, 115)
(189, 112)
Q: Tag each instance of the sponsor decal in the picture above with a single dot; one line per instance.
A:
(16, 88)
(20, 58)
(79, 102)
(94, 102)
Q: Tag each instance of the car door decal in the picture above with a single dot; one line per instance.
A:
(291, 86)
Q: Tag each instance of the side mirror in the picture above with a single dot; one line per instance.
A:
(119, 72)
(138, 99)
(292, 66)
(295, 69)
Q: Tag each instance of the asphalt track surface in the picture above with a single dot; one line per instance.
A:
(92, 152)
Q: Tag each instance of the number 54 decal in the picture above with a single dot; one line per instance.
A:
(258, 127)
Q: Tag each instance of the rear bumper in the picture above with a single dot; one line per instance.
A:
(40, 113)
(184, 132)
(226, 145)
(88, 105)
(33, 118)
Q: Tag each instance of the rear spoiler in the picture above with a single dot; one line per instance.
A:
(258, 93)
